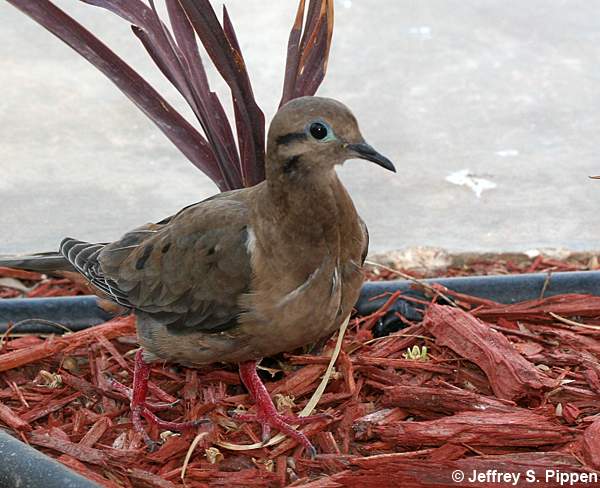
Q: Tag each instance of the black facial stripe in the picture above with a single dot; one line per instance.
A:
(291, 137)
(290, 164)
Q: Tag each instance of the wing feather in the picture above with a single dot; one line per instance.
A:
(188, 271)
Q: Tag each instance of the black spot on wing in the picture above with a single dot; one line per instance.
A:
(141, 261)
(291, 137)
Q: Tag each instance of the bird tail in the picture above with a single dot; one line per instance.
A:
(72, 256)
(44, 262)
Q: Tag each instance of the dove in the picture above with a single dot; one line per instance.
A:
(248, 273)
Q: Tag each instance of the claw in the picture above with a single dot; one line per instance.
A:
(151, 445)
(265, 433)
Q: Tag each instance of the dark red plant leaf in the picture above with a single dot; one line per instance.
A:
(308, 50)
(293, 55)
(179, 60)
(155, 37)
(227, 58)
(146, 41)
(187, 139)
(251, 172)
(314, 47)
(312, 64)
(195, 88)
(212, 117)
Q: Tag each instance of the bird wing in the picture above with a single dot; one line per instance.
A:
(187, 271)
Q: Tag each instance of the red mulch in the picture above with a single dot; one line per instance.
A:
(502, 387)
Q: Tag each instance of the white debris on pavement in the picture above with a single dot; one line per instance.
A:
(465, 178)
(507, 153)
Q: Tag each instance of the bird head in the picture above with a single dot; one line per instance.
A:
(312, 135)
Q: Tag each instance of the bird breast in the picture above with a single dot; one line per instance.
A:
(305, 252)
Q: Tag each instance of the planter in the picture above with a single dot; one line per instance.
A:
(24, 466)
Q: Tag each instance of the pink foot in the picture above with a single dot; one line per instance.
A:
(267, 415)
(141, 408)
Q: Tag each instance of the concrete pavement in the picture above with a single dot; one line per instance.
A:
(488, 108)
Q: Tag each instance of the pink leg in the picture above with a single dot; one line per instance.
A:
(128, 393)
(267, 415)
(140, 408)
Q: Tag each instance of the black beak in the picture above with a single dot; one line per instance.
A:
(364, 151)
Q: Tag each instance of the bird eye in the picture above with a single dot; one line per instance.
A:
(318, 130)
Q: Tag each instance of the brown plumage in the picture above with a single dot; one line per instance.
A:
(252, 272)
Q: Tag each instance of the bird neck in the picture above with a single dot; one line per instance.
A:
(303, 224)
(309, 203)
(316, 208)
(296, 191)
